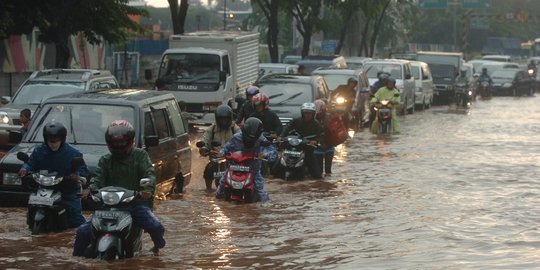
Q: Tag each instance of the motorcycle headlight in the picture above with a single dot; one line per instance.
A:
(294, 141)
(470, 93)
(11, 179)
(385, 102)
(111, 198)
(340, 100)
(530, 71)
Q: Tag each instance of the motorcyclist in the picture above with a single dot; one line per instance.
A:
(55, 155)
(271, 123)
(347, 91)
(247, 108)
(124, 166)
(388, 92)
(307, 126)
(221, 132)
(485, 76)
(532, 66)
(381, 82)
(250, 140)
(324, 153)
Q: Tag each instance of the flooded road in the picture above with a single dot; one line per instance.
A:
(458, 189)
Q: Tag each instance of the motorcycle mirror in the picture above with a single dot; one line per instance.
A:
(145, 182)
(22, 156)
(216, 144)
(200, 144)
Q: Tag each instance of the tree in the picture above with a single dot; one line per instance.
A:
(307, 16)
(343, 12)
(178, 15)
(270, 9)
(57, 20)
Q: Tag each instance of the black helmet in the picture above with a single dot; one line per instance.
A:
(251, 131)
(223, 116)
(120, 136)
(54, 129)
(392, 80)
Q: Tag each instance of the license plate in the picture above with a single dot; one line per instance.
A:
(218, 174)
(292, 153)
(239, 168)
(109, 214)
(40, 200)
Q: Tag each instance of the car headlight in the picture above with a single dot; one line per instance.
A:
(11, 179)
(340, 100)
(5, 119)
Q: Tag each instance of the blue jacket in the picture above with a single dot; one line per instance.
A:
(42, 158)
(236, 144)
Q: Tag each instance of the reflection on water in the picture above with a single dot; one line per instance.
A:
(455, 190)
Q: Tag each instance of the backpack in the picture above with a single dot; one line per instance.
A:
(335, 131)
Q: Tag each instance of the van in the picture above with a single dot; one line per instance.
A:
(155, 115)
(314, 62)
(423, 84)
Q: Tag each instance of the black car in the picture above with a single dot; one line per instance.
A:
(288, 92)
(159, 128)
(512, 82)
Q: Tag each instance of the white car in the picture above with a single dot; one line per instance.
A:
(269, 68)
(424, 84)
(399, 70)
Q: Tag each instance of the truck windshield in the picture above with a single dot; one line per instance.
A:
(189, 68)
(373, 68)
(443, 72)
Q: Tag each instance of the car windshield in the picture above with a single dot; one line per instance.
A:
(503, 74)
(190, 68)
(373, 68)
(85, 123)
(34, 92)
(289, 94)
(334, 80)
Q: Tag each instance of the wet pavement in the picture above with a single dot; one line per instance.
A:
(457, 189)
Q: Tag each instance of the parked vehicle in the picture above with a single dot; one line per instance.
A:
(218, 66)
(360, 108)
(239, 177)
(44, 84)
(497, 58)
(46, 212)
(113, 234)
(270, 68)
(512, 82)
(155, 115)
(314, 62)
(494, 66)
(356, 62)
(424, 84)
(288, 92)
(445, 69)
(399, 70)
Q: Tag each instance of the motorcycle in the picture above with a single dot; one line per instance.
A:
(291, 161)
(485, 89)
(341, 106)
(217, 163)
(46, 213)
(239, 177)
(464, 96)
(383, 110)
(114, 236)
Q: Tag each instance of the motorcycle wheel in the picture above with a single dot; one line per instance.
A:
(248, 196)
(108, 255)
(37, 227)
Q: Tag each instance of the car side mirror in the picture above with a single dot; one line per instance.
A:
(151, 141)
(200, 144)
(23, 156)
(222, 76)
(145, 182)
(15, 137)
(5, 99)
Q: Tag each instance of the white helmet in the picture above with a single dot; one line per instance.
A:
(308, 107)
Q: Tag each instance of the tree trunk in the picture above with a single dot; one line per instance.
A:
(175, 17)
(62, 53)
(363, 41)
(184, 5)
(307, 40)
(343, 32)
(273, 30)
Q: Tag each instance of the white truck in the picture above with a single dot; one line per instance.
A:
(445, 70)
(206, 69)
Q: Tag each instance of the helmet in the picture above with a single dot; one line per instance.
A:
(54, 129)
(484, 70)
(223, 116)
(251, 91)
(251, 131)
(383, 76)
(320, 106)
(308, 107)
(120, 136)
(259, 99)
(351, 79)
(392, 80)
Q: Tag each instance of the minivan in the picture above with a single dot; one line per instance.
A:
(155, 115)
(424, 84)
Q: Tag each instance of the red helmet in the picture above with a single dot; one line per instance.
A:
(260, 99)
(120, 137)
(320, 106)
